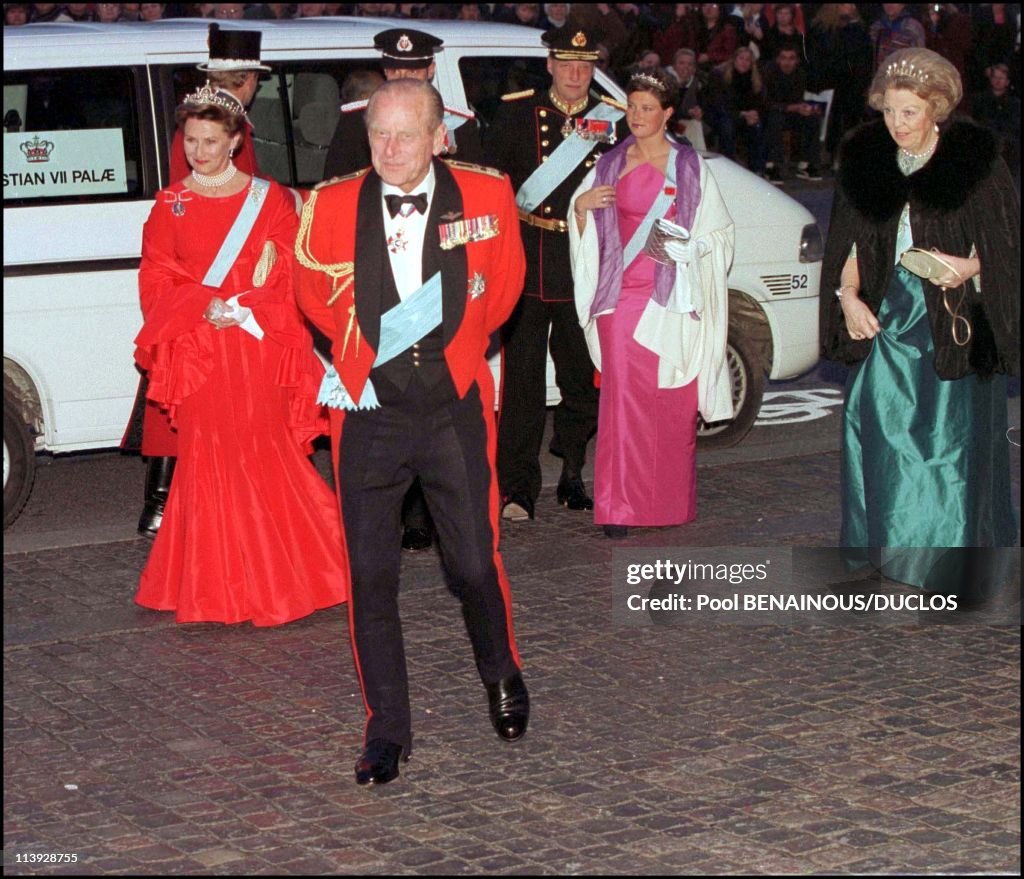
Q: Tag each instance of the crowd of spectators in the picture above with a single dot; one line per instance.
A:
(743, 69)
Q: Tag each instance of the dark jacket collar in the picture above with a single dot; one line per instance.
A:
(875, 186)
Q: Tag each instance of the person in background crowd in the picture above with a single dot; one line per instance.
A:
(232, 71)
(785, 82)
(131, 11)
(310, 10)
(691, 90)
(555, 15)
(949, 32)
(784, 32)
(527, 14)
(45, 12)
(16, 14)
(604, 62)
(151, 11)
(417, 393)
(895, 29)
(108, 13)
(999, 111)
(251, 529)
(202, 10)
(754, 25)
(546, 142)
(80, 11)
(839, 50)
(678, 31)
(716, 38)
(229, 11)
(735, 107)
(655, 377)
(270, 11)
(640, 25)
(470, 12)
(603, 23)
(996, 41)
(648, 61)
(926, 462)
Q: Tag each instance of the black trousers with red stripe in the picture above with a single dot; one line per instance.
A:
(381, 451)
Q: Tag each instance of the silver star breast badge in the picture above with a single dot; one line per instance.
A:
(476, 285)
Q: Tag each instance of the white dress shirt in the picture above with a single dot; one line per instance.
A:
(405, 236)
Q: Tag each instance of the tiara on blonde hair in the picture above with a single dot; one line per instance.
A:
(647, 79)
(906, 70)
(206, 96)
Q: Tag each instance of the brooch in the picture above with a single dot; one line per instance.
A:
(463, 231)
(176, 201)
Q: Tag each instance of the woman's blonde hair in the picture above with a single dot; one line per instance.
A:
(921, 71)
(726, 68)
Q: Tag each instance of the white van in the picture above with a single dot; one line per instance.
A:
(88, 114)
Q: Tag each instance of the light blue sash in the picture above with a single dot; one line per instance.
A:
(401, 327)
(414, 317)
(562, 162)
(453, 121)
(239, 231)
(656, 211)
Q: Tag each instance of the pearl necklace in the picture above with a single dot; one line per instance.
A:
(927, 152)
(215, 180)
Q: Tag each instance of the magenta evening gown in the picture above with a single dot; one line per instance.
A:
(645, 472)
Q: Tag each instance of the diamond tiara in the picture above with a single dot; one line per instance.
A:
(207, 95)
(906, 70)
(647, 79)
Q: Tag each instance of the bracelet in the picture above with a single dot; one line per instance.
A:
(839, 291)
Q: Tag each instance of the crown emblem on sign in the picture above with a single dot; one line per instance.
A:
(37, 150)
(579, 40)
(907, 71)
(207, 95)
(404, 43)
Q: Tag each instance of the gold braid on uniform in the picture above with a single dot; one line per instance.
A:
(335, 271)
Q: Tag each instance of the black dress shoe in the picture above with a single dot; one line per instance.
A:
(510, 707)
(572, 494)
(616, 532)
(516, 507)
(378, 764)
(416, 539)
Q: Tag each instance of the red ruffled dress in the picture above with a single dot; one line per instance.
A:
(250, 530)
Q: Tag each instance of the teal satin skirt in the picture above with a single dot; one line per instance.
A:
(926, 462)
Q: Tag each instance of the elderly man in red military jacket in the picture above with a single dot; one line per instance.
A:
(408, 268)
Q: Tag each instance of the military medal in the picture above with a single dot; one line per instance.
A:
(599, 130)
(176, 201)
(463, 231)
(397, 242)
(476, 285)
(567, 128)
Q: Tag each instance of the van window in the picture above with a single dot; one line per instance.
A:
(295, 113)
(71, 136)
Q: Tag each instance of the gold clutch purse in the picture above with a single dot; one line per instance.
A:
(929, 265)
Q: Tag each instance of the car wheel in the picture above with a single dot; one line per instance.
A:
(747, 378)
(19, 462)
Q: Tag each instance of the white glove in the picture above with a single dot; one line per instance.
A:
(684, 251)
(243, 315)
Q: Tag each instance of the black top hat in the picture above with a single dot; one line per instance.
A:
(233, 50)
(570, 44)
(406, 48)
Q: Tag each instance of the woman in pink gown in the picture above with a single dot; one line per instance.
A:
(250, 531)
(656, 331)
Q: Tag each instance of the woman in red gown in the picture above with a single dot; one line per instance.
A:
(251, 531)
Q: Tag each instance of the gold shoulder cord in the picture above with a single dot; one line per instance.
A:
(340, 273)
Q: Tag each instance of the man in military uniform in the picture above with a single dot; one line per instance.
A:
(408, 267)
(405, 53)
(547, 142)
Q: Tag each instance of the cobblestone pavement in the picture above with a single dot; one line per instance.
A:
(144, 747)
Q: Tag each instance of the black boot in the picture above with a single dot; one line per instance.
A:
(571, 492)
(158, 483)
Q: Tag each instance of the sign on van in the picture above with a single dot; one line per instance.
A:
(42, 164)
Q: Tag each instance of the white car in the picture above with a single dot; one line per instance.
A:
(88, 114)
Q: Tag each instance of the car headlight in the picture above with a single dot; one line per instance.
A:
(812, 247)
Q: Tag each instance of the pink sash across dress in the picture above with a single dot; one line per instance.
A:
(645, 471)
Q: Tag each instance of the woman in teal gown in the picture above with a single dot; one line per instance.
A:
(925, 469)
